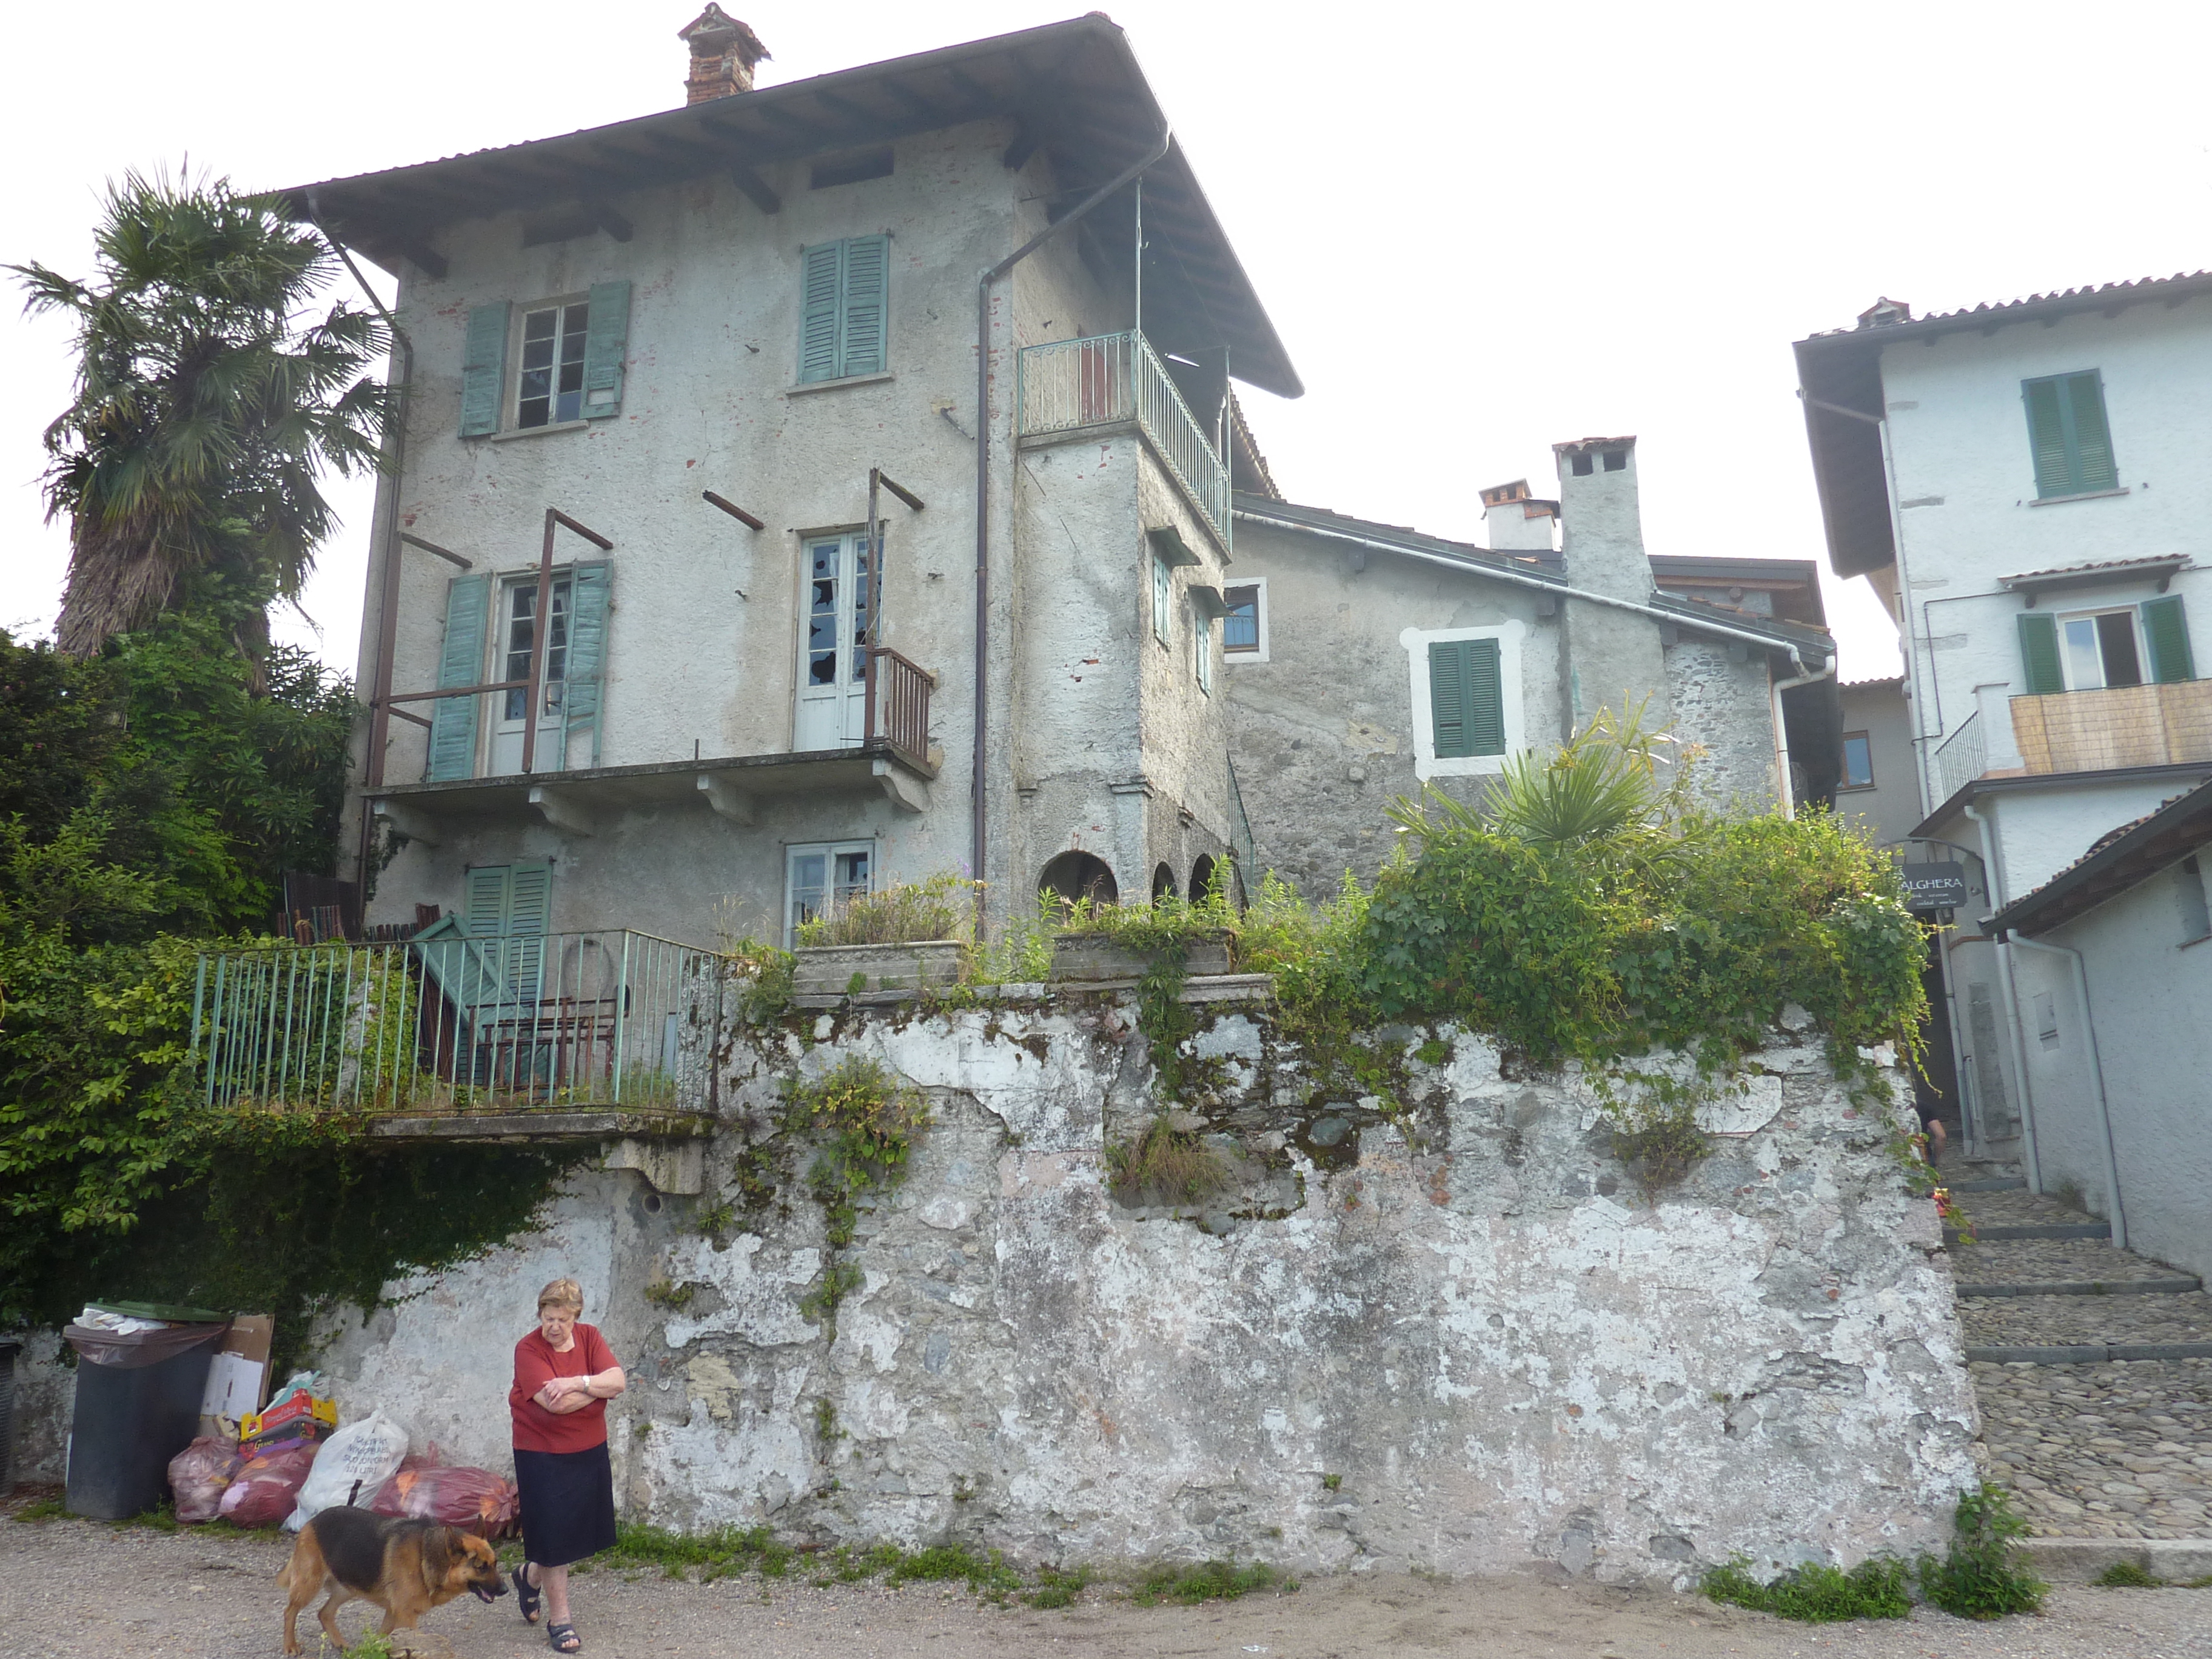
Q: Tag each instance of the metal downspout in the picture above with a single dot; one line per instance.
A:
(978, 798)
(1782, 734)
(2117, 1216)
(1990, 877)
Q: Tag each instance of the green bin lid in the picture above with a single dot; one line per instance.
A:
(168, 1310)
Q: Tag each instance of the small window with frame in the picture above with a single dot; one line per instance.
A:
(1858, 762)
(1163, 599)
(1245, 628)
(2100, 649)
(548, 387)
(1201, 628)
(822, 876)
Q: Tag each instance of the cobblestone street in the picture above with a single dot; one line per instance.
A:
(2119, 1447)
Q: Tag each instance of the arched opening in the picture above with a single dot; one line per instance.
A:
(1073, 875)
(1164, 883)
(1201, 875)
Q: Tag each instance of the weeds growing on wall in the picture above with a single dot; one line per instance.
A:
(1817, 1594)
(1652, 1120)
(863, 1122)
(1164, 1165)
(1977, 1577)
(1162, 933)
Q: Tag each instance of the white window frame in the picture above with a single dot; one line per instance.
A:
(829, 850)
(1417, 641)
(1260, 616)
(2134, 614)
(511, 418)
(1201, 626)
(1163, 601)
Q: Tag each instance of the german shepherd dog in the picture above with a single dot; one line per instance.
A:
(406, 1567)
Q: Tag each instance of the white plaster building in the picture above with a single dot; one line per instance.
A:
(764, 401)
(2028, 486)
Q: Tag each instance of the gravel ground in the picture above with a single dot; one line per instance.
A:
(2116, 1450)
(75, 1589)
(2056, 1321)
(2048, 1261)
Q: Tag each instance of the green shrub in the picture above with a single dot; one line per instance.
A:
(1813, 1594)
(904, 913)
(1976, 1578)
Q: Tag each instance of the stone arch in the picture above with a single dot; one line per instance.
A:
(1073, 875)
(1163, 882)
(1201, 875)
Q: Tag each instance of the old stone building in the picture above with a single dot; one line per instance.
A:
(1365, 661)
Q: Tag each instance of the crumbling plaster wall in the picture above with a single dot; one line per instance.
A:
(1723, 703)
(1454, 1335)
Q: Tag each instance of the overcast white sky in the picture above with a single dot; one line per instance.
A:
(1480, 229)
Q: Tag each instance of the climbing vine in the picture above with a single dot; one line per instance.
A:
(864, 1123)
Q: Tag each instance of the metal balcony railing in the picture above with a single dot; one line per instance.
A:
(1960, 758)
(447, 1023)
(1109, 379)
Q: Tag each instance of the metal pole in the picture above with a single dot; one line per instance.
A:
(1137, 327)
(875, 598)
(538, 629)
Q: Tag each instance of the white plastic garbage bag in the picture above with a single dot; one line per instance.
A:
(367, 1453)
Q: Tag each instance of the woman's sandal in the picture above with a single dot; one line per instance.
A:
(527, 1596)
(562, 1638)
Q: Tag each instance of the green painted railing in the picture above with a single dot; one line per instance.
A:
(447, 1022)
(1109, 379)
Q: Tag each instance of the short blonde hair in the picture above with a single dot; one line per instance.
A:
(562, 1293)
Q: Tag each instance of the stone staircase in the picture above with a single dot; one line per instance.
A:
(2094, 1367)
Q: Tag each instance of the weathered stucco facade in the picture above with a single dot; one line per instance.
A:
(1458, 1336)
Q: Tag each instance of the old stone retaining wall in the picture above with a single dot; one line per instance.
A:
(1456, 1335)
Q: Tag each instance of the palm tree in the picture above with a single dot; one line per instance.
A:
(209, 393)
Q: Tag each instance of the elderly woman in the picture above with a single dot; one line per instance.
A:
(564, 1375)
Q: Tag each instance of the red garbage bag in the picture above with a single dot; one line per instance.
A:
(198, 1475)
(455, 1497)
(266, 1488)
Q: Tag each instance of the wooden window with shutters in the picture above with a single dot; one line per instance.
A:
(2101, 650)
(1465, 699)
(567, 356)
(2166, 632)
(2069, 436)
(844, 309)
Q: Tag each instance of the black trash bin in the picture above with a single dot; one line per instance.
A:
(139, 1398)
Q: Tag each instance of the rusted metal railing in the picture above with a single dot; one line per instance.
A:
(898, 703)
(453, 1023)
(1111, 378)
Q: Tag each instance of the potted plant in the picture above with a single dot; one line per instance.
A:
(894, 942)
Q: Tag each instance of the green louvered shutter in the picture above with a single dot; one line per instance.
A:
(867, 262)
(589, 590)
(606, 340)
(2166, 627)
(2093, 466)
(460, 662)
(1485, 700)
(483, 900)
(819, 268)
(1448, 700)
(2039, 654)
(529, 914)
(2047, 437)
(484, 370)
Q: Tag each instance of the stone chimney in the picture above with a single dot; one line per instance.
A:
(1603, 527)
(1519, 523)
(723, 53)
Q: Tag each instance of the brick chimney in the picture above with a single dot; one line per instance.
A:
(723, 53)
(1519, 523)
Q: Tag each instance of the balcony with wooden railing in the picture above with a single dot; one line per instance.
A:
(2121, 725)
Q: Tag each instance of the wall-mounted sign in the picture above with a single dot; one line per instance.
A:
(1935, 886)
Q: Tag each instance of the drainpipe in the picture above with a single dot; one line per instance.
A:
(1782, 731)
(2118, 1216)
(978, 799)
(387, 574)
(1989, 876)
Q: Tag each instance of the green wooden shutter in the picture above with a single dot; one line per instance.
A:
(484, 899)
(460, 662)
(530, 900)
(2039, 654)
(1485, 700)
(867, 272)
(2047, 437)
(589, 591)
(1448, 699)
(606, 340)
(2166, 627)
(818, 354)
(2093, 466)
(484, 370)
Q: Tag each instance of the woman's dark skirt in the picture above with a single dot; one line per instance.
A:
(567, 1503)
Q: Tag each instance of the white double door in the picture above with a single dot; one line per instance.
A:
(517, 624)
(837, 627)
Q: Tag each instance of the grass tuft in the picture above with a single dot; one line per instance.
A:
(1209, 1581)
(721, 1553)
(1164, 1165)
(2126, 1575)
(1815, 1595)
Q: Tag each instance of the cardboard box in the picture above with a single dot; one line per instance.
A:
(238, 1379)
